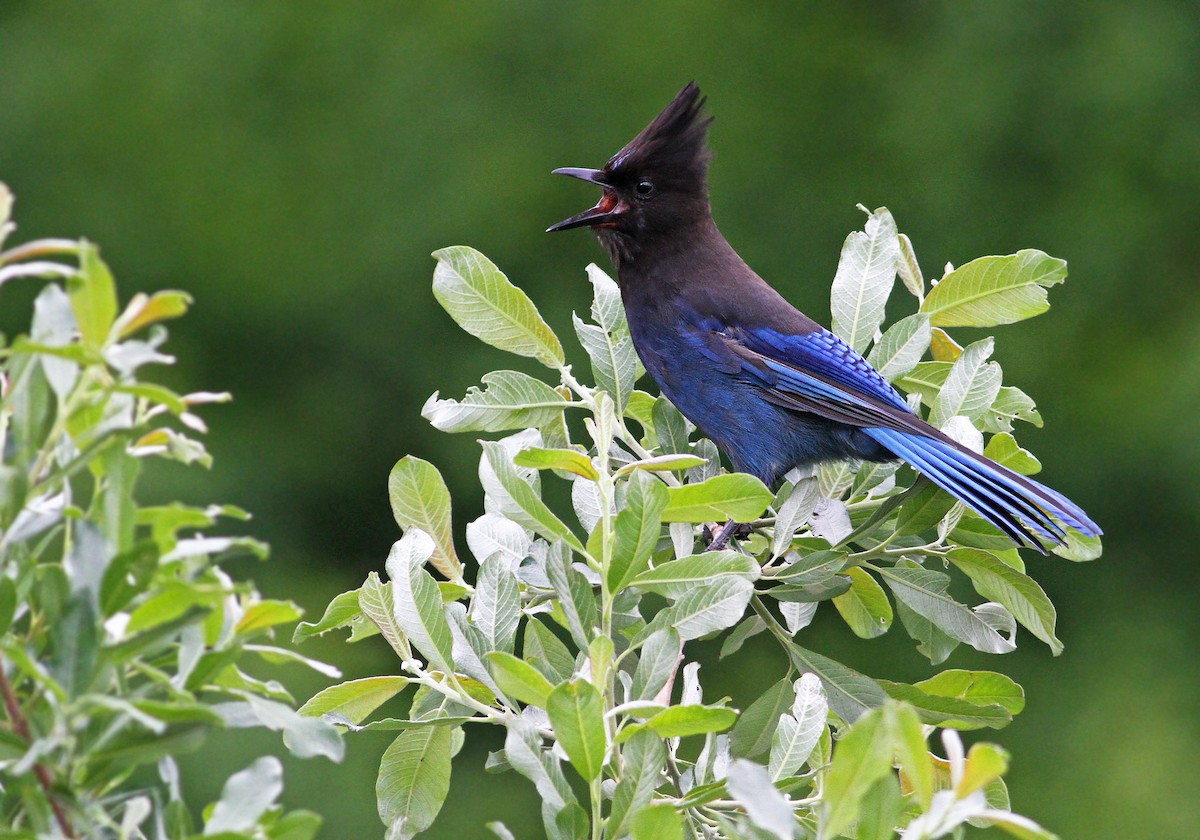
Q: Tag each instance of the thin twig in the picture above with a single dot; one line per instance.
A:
(45, 779)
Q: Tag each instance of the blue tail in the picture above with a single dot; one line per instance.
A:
(1018, 506)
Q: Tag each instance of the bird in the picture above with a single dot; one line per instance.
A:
(770, 386)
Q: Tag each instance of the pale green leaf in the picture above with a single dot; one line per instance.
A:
(659, 821)
(510, 400)
(862, 756)
(735, 496)
(421, 500)
(496, 608)
(865, 606)
(902, 346)
(93, 296)
(676, 578)
(637, 529)
(643, 758)
(910, 750)
(990, 291)
(1021, 594)
(354, 700)
(483, 302)
(971, 385)
(849, 693)
(925, 593)
(570, 460)
(657, 660)
(706, 608)
(417, 604)
(865, 274)
(577, 714)
(614, 360)
(414, 777)
(531, 511)
(518, 679)
(1005, 451)
(750, 785)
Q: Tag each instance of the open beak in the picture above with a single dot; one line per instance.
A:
(604, 214)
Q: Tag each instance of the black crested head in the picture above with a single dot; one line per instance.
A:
(673, 146)
(657, 185)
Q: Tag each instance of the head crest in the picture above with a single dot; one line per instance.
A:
(673, 144)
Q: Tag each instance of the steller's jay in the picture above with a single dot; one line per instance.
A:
(771, 387)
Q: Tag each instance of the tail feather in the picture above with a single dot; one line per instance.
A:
(1020, 507)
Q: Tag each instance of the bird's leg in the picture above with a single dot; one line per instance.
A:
(722, 537)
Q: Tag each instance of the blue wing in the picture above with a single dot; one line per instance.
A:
(817, 372)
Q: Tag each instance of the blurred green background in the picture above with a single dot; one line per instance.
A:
(293, 165)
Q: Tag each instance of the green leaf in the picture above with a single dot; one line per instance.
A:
(926, 379)
(344, 610)
(971, 385)
(570, 460)
(1011, 404)
(143, 311)
(659, 821)
(901, 347)
(925, 593)
(576, 602)
(990, 291)
(417, 603)
(1004, 450)
(798, 733)
(420, 500)
(544, 651)
(484, 303)
(414, 777)
(643, 758)
(931, 642)
(948, 712)
(735, 496)
(681, 721)
(881, 810)
(354, 699)
(607, 309)
(658, 658)
(754, 731)
(750, 785)
(861, 758)
(942, 347)
(706, 608)
(614, 360)
(1079, 548)
(263, 614)
(985, 763)
(531, 511)
(997, 581)
(637, 529)
(865, 274)
(909, 269)
(865, 606)
(849, 693)
(979, 687)
(496, 607)
(377, 603)
(793, 512)
(510, 400)
(93, 296)
(910, 750)
(246, 797)
(577, 714)
(676, 578)
(670, 427)
(518, 679)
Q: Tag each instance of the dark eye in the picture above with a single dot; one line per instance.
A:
(645, 189)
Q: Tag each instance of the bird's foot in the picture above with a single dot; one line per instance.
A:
(718, 540)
